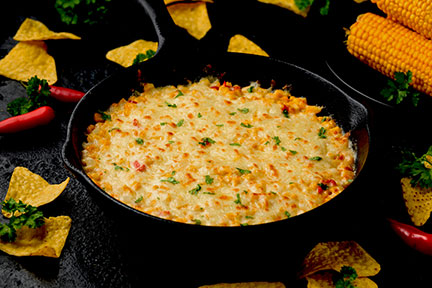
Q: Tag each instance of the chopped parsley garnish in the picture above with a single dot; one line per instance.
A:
(287, 214)
(171, 105)
(321, 133)
(117, 167)
(79, 12)
(233, 113)
(293, 152)
(195, 190)
(219, 125)
(206, 141)
(316, 158)
(345, 278)
(104, 115)
(199, 115)
(171, 180)
(238, 200)
(323, 186)
(180, 93)
(235, 144)
(209, 193)
(250, 89)
(140, 57)
(112, 129)
(30, 217)
(285, 111)
(163, 123)
(208, 179)
(303, 4)
(197, 221)
(277, 140)
(139, 199)
(417, 168)
(400, 88)
(243, 110)
(246, 125)
(243, 171)
(180, 123)
(140, 141)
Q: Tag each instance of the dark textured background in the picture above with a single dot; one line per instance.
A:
(105, 249)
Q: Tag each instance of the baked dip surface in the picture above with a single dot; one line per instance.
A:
(218, 154)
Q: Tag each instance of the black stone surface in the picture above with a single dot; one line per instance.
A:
(107, 249)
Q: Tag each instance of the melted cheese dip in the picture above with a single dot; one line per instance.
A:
(218, 154)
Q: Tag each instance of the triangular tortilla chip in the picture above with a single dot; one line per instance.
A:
(335, 255)
(290, 5)
(240, 44)
(31, 30)
(32, 189)
(125, 55)
(191, 16)
(47, 240)
(28, 59)
(418, 201)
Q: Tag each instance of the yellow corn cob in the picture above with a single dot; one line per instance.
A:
(390, 47)
(415, 14)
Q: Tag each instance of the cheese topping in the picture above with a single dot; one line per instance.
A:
(218, 154)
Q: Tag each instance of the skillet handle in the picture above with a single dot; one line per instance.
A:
(170, 36)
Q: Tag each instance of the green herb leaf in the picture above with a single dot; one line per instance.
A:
(79, 12)
(243, 171)
(140, 57)
(208, 179)
(235, 144)
(104, 116)
(139, 199)
(303, 4)
(180, 123)
(171, 105)
(417, 168)
(140, 141)
(170, 180)
(206, 141)
(38, 95)
(316, 158)
(179, 93)
(277, 140)
(238, 200)
(399, 89)
(321, 133)
(246, 125)
(30, 217)
(195, 190)
(345, 278)
(243, 110)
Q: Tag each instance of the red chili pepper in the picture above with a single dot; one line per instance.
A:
(413, 237)
(65, 94)
(38, 117)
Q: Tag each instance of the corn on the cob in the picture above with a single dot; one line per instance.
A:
(390, 47)
(415, 14)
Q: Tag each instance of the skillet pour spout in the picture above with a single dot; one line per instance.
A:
(242, 69)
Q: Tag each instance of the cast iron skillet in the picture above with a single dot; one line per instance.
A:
(178, 59)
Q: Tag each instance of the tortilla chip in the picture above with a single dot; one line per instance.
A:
(28, 59)
(125, 55)
(31, 30)
(325, 280)
(240, 44)
(32, 189)
(191, 16)
(288, 4)
(246, 285)
(335, 255)
(418, 201)
(47, 240)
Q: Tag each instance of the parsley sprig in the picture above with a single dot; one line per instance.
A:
(29, 216)
(418, 168)
(400, 88)
(345, 278)
(38, 92)
(140, 57)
